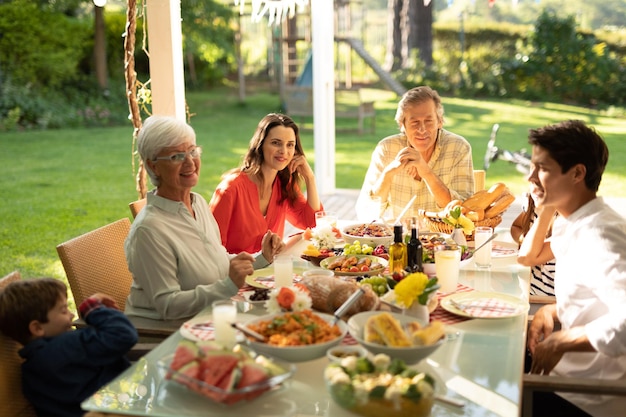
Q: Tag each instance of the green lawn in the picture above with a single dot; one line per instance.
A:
(60, 184)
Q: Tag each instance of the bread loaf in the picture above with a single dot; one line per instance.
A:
(475, 215)
(389, 330)
(328, 293)
(477, 201)
(483, 198)
(499, 205)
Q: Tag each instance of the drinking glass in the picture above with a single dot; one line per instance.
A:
(447, 264)
(283, 271)
(325, 219)
(482, 258)
(224, 313)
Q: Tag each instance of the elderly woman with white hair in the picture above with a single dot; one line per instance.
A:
(174, 249)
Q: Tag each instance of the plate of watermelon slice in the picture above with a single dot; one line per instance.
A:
(226, 376)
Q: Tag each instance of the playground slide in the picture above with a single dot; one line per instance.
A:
(305, 79)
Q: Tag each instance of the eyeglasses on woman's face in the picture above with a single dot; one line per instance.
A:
(179, 157)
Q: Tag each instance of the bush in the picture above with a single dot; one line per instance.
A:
(38, 48)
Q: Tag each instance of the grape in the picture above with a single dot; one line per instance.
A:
(356, 248)
(377, 283)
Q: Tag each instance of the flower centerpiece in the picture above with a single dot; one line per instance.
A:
(294, 299)
(323, 237)
(461, 225)
(323, 240)
(413, 292)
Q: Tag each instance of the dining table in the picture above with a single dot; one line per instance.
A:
(480, 364)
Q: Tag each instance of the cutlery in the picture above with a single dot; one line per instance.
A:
(249, 332)
(485, 242)
(405, 209)
(449, 400)
(203, 326)
(465, 307)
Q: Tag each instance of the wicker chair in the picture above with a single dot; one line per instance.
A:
(12, 401)
(95, 262)
(136, 206)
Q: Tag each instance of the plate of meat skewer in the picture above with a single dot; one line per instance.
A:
(355, 265)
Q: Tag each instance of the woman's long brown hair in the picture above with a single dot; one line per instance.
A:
(252, 161)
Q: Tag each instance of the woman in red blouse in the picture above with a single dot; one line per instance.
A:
(265, 190)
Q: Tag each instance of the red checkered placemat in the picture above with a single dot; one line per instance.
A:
(198, 330)
(445, 316)
(488, 307)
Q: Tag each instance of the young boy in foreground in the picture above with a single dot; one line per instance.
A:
(62, 366)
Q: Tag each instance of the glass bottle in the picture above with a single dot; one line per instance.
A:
(415, 250)
(397, 251)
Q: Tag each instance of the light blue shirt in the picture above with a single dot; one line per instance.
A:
(178, 263)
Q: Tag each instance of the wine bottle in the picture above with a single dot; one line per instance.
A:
(397, 251)
(415, 250)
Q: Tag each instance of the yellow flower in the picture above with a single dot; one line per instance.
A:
(466, 224)
(459, 221)
(410, 288)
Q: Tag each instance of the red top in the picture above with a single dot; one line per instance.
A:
(235, 206)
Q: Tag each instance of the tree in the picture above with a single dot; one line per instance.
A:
(410, 29)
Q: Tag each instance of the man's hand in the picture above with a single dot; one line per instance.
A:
(271, 245)
(542, 326)
(413, 162)
(240, 268)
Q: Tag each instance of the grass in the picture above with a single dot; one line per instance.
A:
(59, 184)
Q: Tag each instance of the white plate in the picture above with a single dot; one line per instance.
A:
(485, 305)
(189, 332)
(246, 296)
(262, 276)
(374, 259)
(500, 249)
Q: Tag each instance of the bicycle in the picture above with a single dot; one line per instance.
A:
(520, 158)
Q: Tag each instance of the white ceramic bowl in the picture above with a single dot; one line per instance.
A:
(337, 353)
(410, 355)
(372, 239)
(296, 353)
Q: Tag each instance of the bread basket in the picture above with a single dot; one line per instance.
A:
(436, 224)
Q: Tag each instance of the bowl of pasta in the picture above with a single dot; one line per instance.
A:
(296, 336)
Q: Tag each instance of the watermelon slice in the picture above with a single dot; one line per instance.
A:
(186, 374)
(217, 365)
(186, 351)
(251, 374)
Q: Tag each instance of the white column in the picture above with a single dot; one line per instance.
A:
(165, 45)
(323, 33)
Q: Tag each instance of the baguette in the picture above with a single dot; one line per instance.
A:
(476, 201)
(484, 198)
(389, 330)
(500, 205)
(475, 215)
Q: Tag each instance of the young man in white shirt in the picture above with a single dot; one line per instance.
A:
(589, 244)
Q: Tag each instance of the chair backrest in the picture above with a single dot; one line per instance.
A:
(479, 179)
(136, 206)
(95, 262)
(12, 401)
